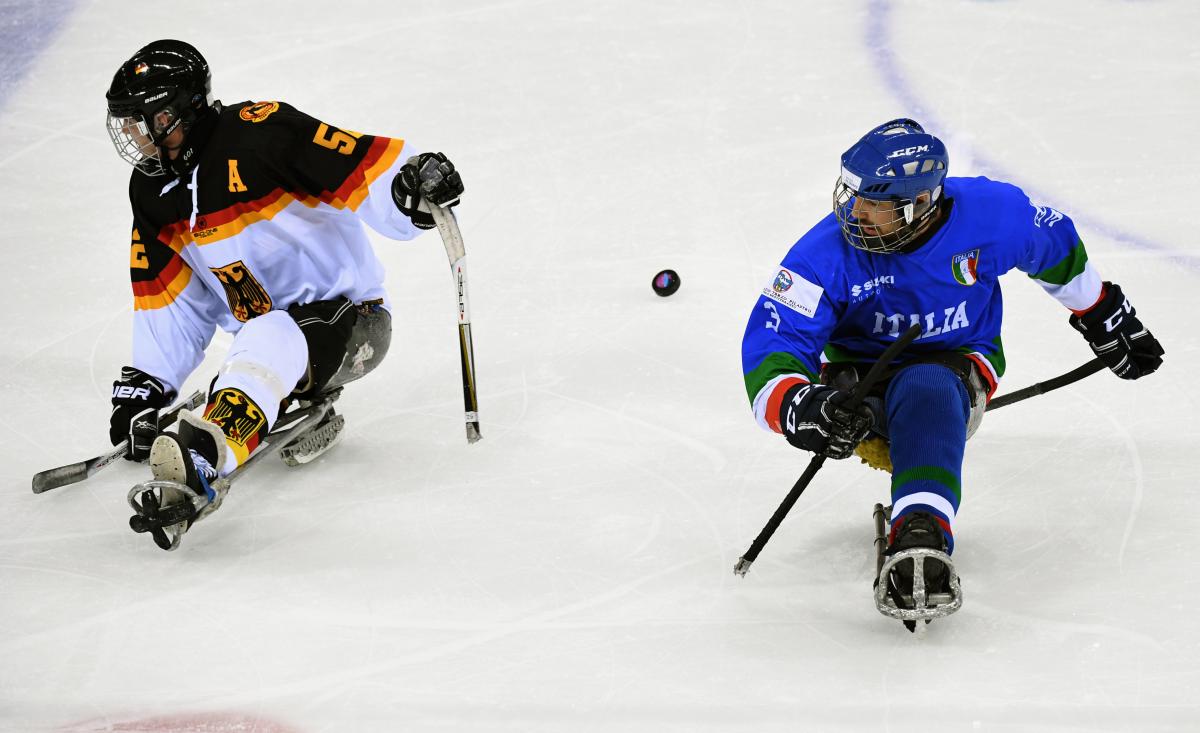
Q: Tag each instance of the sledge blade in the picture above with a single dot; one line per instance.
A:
(919, 606)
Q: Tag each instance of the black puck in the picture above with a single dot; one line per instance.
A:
(665, 283)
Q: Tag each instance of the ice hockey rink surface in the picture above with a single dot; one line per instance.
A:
(573, 570)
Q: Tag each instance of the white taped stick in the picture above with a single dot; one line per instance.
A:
(456, 252)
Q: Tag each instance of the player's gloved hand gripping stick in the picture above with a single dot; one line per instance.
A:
(1076, 374)
(1119, 340)
(860, 391)
(72, 473)
(424, 190)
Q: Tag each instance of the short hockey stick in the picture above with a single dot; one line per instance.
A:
(1062, 380)
(456, 252)
(856, 396)
(73, 473)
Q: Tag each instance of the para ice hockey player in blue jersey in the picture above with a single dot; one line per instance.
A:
(906, 245)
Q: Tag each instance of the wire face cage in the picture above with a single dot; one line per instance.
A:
(134, 143)
(878, 225)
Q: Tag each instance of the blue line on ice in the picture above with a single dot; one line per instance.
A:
(25, 31)
(878, 42)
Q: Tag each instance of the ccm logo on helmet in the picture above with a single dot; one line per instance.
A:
(126, 392)
(905, 152)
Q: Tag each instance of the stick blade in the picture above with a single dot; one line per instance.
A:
(62, 476)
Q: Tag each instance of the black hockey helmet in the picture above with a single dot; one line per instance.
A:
(164, 86)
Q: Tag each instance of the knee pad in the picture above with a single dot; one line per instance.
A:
(365, 349)
(968, 373)
(928, 391)
(270, 353)
(977, 391)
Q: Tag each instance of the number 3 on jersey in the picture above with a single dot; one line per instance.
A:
(342, 141)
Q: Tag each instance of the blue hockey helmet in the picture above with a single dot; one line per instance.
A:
(890, 186)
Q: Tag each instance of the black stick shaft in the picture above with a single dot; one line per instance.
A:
(860, 392)
(1062, 380)
(880, 518)
(54, 478)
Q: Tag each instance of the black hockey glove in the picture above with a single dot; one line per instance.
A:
(814, 418)
(136, 397)
(1115, 334)
(428, 179)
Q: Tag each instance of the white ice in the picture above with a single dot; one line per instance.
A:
(573, 571)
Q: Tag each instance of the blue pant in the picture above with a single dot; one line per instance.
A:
(927, 409)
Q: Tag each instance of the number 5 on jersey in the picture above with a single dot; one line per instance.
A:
(342, 141)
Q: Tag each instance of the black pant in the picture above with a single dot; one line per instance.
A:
(345, 341)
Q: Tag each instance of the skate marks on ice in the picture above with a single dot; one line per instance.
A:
(1138, 485)
(469, 635)
(222, 722)
(657, 477)
(1047, 626)
(878, 40)
(329, 685)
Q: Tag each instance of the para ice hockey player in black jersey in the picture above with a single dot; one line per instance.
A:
(249, 217)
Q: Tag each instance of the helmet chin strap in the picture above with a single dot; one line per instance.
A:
(929, 213)
(928, 217)
(195, 135)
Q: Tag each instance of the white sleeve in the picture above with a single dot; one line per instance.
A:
(174, 317)
(378, 209)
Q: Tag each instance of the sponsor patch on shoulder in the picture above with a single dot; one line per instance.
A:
(793, 291)
(258, 111)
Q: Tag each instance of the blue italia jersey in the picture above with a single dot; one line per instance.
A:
(830, 302)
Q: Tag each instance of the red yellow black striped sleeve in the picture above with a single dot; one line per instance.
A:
(320, 163)
(157, 273)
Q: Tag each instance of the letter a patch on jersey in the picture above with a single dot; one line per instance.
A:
(247, 297)
(792, 291)
(235, 179)
(966, 267)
